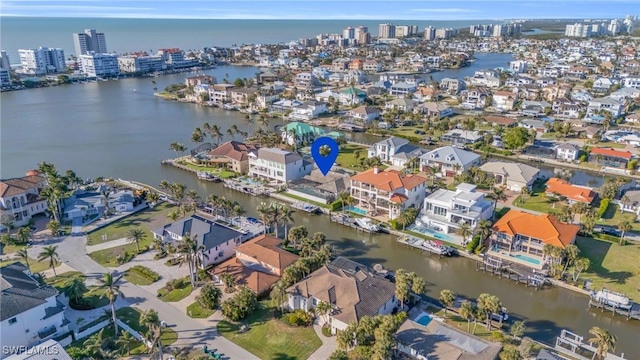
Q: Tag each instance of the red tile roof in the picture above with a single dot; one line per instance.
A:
(611, 152)
(544, 227)
(389, 180)
(571, 192)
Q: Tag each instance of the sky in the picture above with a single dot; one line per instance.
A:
(321, 10)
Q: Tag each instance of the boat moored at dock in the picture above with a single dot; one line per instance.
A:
(611, 298)
(306, 207)
(367, 224)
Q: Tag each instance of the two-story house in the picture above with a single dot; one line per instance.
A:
(232, 155)
(20, 197)
(513, 176)
(567, 152)
(401, 104)
(217, 241)
(604, 104)
(520, 237)
(402, 89)
(387, 192)
(30, 311)
(220, 93)
(449, 209)
(363, 113)
(298, 133)
(258, 264)
(452, 86)
(475, 98)
(461, 137)
(630, 202)
(278, 165)
(308, 110)
(352, 289)
(504, 100)
(449, 160)
(386, 148)
(435, 110)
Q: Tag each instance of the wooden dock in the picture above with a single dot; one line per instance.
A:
(246, 188)
(346, 220)
(511, 271)
(631, 313)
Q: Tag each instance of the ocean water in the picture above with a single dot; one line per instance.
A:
(127, 35)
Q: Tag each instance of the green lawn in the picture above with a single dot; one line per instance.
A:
(34, 265)
(304, 200)
(94, 295)
(269, 338)
(175, 295)
(346, 158)
(612, 266)
(119, 229)
(455, 320)
(196, 311)
(609, 144)
(137, 279)
(613, 217)
(107, 257)
(221, 172)
(11, 248)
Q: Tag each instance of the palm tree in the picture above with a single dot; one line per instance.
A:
(264, 213)
(484, 229)
(49, 253)
(345, 198)
(23, 235)
(624, 226)
(279, 294)
(110, 285)
(286, 219)
(177, 147)
(54, 227)
(136, 235)
(263, 121)
(447, 299)
(497, 195)
(231, 134)
(229, 282)
(153, 198)
(467, 311)
(488, 304)
(151, 320)
(75, 290)
(190, 254)
(22, 253)
(571, 252)
(213, 131)
(465, 231)
(604, 340)
(248, 121)
(125, 341)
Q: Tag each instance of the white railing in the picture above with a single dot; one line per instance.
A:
(134, 333)
(95, 328)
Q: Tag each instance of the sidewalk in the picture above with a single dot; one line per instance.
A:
(107, 245)
(329, 345)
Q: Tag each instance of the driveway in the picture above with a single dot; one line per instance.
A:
(191, 332)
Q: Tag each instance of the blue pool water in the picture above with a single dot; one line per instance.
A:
(424, 320)
(527, 259)
(355, 209)
(429, 232)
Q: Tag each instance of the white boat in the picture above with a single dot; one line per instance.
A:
(203, 175)
(310, 208)
(366, 224)
(611, 298)
(436, 247)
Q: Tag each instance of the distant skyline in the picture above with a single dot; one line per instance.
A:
(324, 10)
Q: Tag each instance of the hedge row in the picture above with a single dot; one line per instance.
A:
(145, 272)
(604, 204)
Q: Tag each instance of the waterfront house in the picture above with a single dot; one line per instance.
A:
(631, 202)
(242, 96)
(572, 193)
(610, 157)
(232, 155)
(306, 80)
(438, 340)
(402, 89)
(218, 241)
(284, 105)
(520, 237)
(604, 104)
(407, 153)
(488, 78)
(83, 204)
(461, 137)
(364, 113)
(386, 148)
(308, 110)
(20, 197)
(352, 96)
(435, 110)
(452, 86)
(200, 80)
(475, 98)
(504, 100)
(220, 93)
(512, 176)
(31, 311)
(277, 165)
(319, 187)
(352, 289)
(450, 160)
(426, 93)
(449, 209)
(567, 152)
(387, 192)
(304, 133)
(122, 201)
(401, 104)
(257, 264)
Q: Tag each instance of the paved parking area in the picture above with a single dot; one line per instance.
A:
(166, 272)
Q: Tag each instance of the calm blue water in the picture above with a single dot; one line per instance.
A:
(424, 319)
(128, 35)
(356, 210)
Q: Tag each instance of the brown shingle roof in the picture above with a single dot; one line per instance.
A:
(17, 186)
(257, 281)
(266, 248)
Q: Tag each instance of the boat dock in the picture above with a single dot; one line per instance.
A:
(417, 243)
(247, 188)
(512, 271)
(310, 208)
(632, 313)
(346, 220)
(573, 345)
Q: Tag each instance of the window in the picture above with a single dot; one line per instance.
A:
(13, 321)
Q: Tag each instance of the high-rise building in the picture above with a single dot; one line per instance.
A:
(615, 27)
(140, 62)
(445, 33)
(430, 33)
(42, 61)
(349, 33)
(499, 30)
(386, 31)
(96, 64)
(90, 40)
(362, 35)
(578, 30)
(4, 60)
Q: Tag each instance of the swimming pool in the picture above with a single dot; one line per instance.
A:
(527, 259)
(250, 181)
(429, 232)
(423, 319)
(355, 209)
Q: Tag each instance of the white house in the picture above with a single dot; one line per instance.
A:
(387, 192)
(626, 93)
(631, 202)
(567, 152)
(633, 82)
(402, 89)
(401, 104)
(449, 209)
(308, 110)
(278, 165)
(438, 110)
(20, 197)
(122, 201)
(386, 148)
(504, 100)
(514, 176)
(607, 104)
(488, 78)
(364, 113)
(352, 289)
(31, 312)
(450, 160)
(218, 241)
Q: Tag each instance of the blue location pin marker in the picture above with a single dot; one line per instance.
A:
(324, 162)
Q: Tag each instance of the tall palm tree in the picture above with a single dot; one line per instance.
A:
(264, 213)
(213, 131)
(110, 285)
(497, 195)
(136, 235)
(248, 121)
(153, 198)
(190, 254)
(489, 304)
(286, 218)
(125, 341)
(484, 229)
(624, 226)
(604, 340)
(22, 253)
(466, 312)
(151, 320)
(345, 198)
(177, 147)
(447, 299)
(49, 253)
(465, 232)
(75, 290)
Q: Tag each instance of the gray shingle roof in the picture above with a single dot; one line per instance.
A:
(207, 232)
(278, 155)
(394, 142)
(451, 155)
(20, 291)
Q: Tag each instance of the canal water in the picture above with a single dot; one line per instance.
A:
(119, 129)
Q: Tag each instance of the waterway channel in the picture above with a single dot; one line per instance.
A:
(119, 129)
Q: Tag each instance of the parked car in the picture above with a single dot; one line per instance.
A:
(609, 231)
